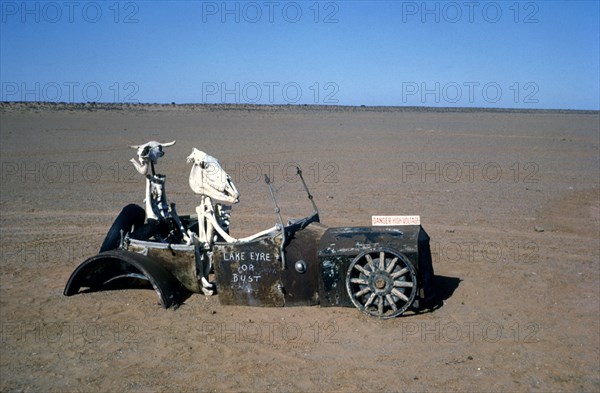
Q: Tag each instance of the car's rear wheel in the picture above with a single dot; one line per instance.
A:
(131, 216)
(381, 282)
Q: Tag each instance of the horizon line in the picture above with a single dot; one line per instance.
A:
(247, 106)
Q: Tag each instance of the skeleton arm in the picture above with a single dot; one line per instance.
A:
(208, 179)
(207, 222)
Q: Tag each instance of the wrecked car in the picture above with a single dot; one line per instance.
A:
(383, 270)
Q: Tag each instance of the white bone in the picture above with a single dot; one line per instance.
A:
(141, 168)
(207, 177)
(148, 153)
(207, 223)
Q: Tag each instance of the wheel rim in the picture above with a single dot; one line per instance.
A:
(381, 283)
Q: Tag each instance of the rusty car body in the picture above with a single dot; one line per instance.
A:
(381, 270)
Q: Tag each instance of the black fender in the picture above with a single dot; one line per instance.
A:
(132, 216)
(102, 271)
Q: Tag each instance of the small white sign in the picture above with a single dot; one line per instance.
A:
(395, 220)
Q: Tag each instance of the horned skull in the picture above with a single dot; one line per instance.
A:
(208, 178)
(148, 155)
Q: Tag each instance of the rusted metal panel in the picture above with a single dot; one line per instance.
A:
(332, 285)
(353, 240)
(179, 259)
(301, 276)
(339, 246)
(249, 274)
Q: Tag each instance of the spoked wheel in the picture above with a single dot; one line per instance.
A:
(381, 283)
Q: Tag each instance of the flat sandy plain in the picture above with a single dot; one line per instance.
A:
(509, 198)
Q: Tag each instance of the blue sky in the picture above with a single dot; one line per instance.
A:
(534, 55)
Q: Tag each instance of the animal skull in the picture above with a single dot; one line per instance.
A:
(148, 155)
(208, 178)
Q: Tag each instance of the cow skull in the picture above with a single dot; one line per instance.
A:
(208, 178)
(148, 155)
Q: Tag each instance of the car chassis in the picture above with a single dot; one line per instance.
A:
(381, 270)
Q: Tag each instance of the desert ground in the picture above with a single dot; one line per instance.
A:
(509, 198)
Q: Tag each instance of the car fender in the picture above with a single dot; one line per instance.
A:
(102, 271)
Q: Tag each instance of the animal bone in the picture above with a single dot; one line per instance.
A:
(155, 200)
(148, 155)
(207, 177)
(207, 225)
